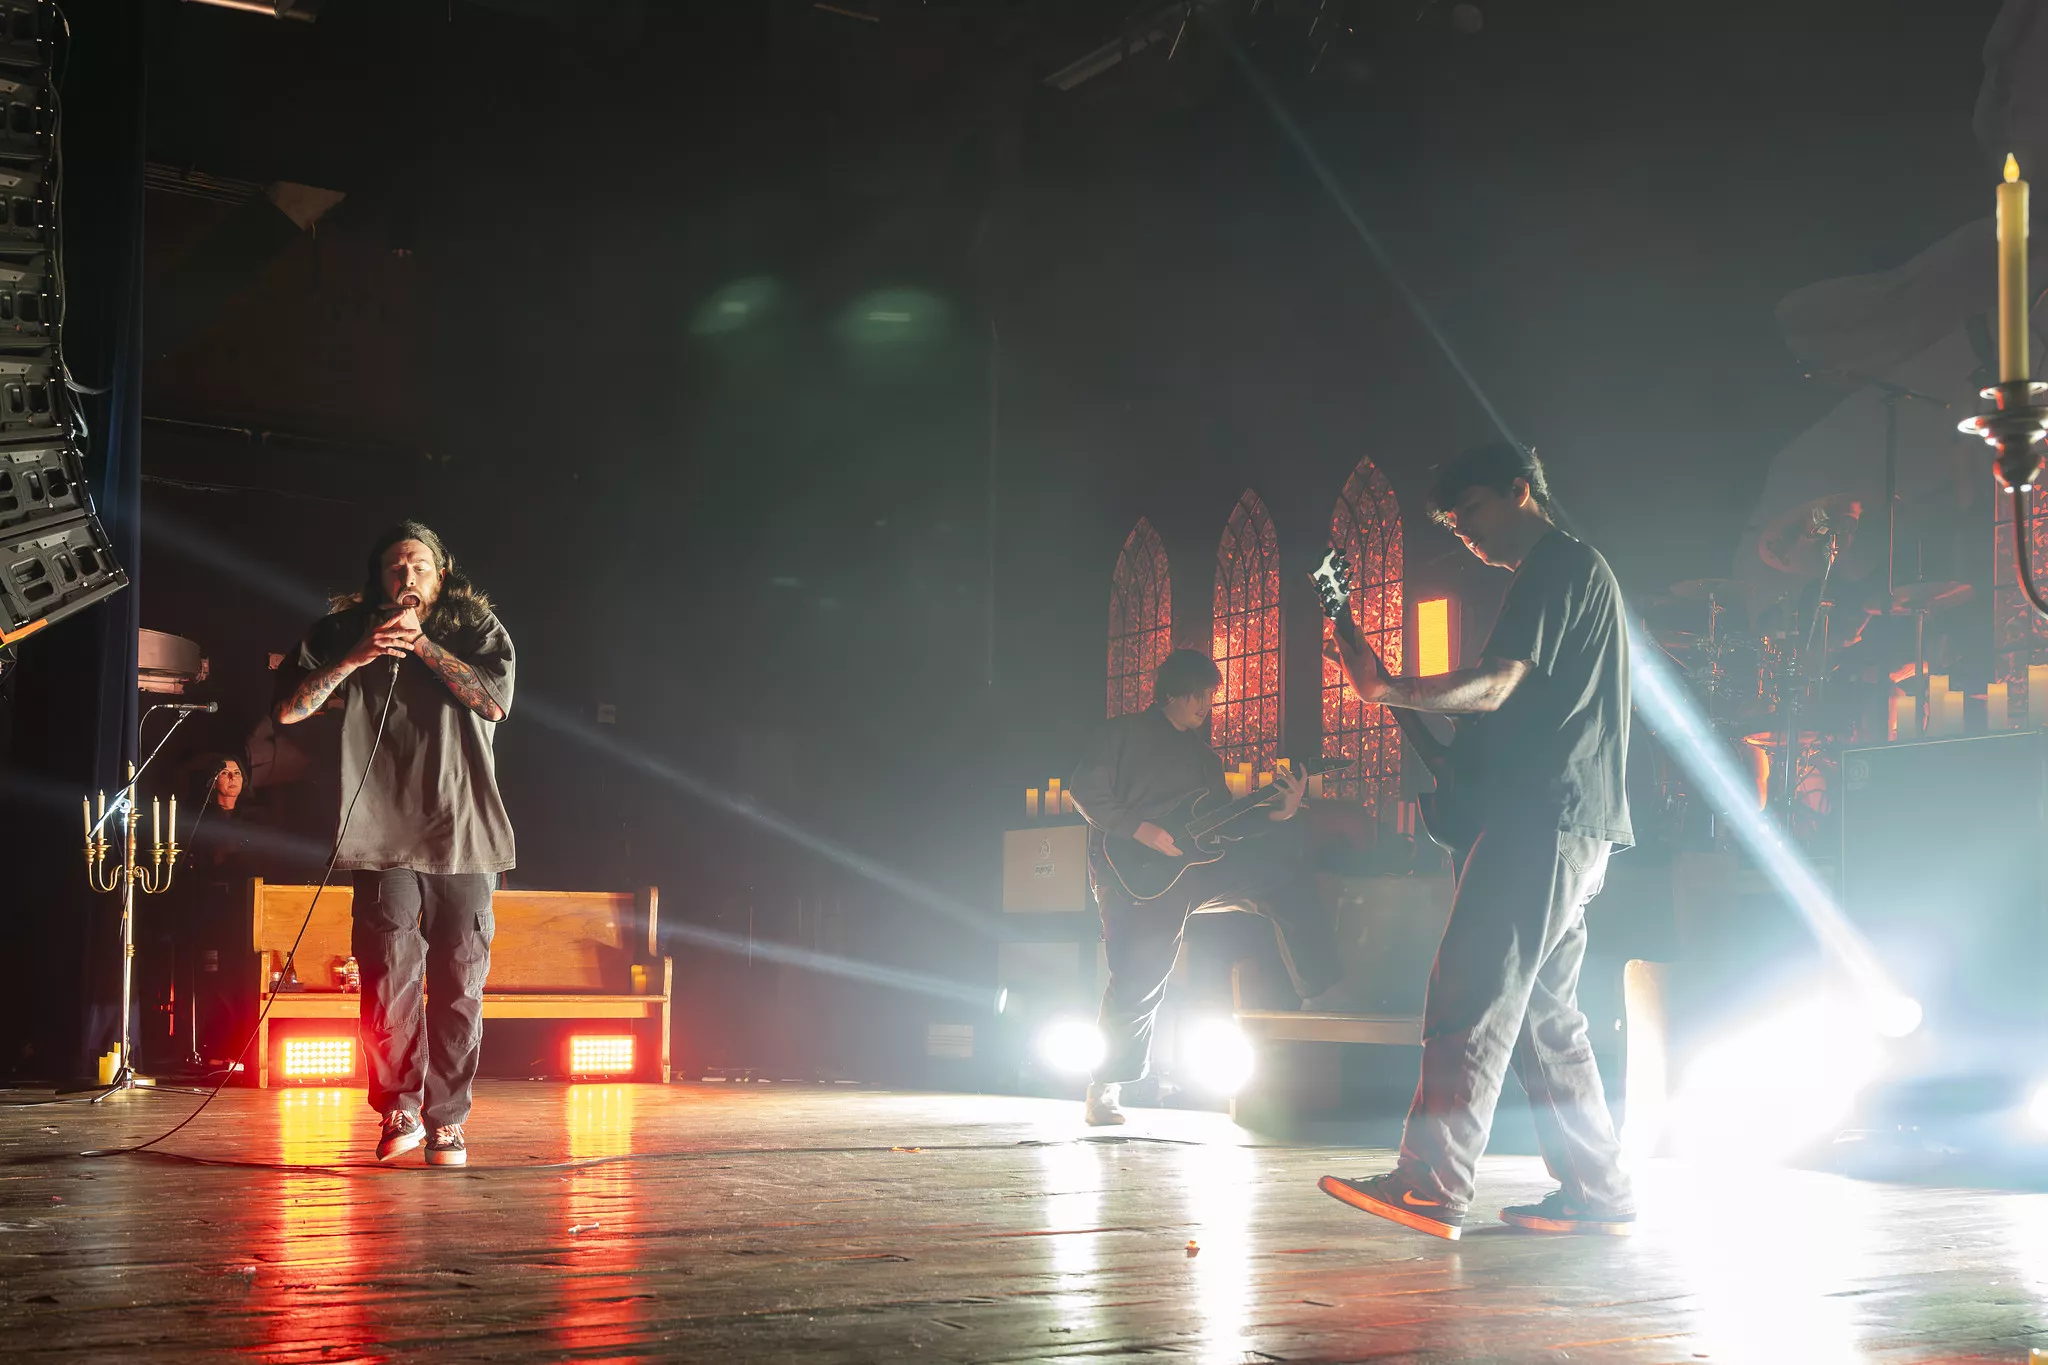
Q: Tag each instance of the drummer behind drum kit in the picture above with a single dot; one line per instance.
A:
(1775, 683)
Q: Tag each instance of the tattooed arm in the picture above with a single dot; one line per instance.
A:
(462, 680)
(385, 639)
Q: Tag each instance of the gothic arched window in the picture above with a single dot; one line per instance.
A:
(1367, 526)
(1245, 726)
(1140, 619)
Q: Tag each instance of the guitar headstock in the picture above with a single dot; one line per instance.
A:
(1334, 581)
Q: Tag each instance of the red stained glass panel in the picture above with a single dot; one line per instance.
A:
(1366, 525)
(1245, 726)
(1140, 619)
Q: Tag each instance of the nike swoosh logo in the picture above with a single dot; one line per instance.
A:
(1408, 1198)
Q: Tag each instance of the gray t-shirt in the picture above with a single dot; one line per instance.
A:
(1138, 769)
(1559, 746)
(431, 802)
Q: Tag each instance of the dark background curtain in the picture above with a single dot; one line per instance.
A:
(68, 712)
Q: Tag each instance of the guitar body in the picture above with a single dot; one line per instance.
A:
(1147, 874)
(1448, 819)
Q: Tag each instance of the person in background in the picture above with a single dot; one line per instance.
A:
(1137, 771)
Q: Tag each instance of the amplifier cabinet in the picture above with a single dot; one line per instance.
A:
(1943, 869)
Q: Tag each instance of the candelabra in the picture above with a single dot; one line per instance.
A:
(127, 875)
(2015, 428)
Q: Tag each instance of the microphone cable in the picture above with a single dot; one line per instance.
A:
(234, 1066)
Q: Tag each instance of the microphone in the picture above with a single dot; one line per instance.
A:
(412, 600)
(188, 707)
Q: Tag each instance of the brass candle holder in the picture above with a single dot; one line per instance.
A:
(127, 873)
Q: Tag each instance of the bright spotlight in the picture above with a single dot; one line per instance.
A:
(1896, 1016)
(1778, 1086)
(1071, 1047)
(1216, 1056)
(2037, 1107)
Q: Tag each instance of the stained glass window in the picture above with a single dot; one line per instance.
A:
(1140, 619)
(1245, 726)
(1367, 526)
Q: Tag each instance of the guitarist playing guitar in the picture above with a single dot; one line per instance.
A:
(1538, 767)
(1137, 778)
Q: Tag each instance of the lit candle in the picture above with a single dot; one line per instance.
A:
(1952, 713)
(1315, 785)
(1031, 803)
(1937, 705)
(1265, 779)
(156, 823)
(1066, 802)
(86, 801)
(1995, 707)
(174, 819)
(1234, 783)
(1900, 718)
(2012, 275)
(2037, 696)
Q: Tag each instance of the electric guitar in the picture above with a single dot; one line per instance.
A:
(1448, 815)
(1199, 826)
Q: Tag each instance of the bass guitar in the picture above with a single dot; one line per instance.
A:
(1448, 815)
(1199, 825)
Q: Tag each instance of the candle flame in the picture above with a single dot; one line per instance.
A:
(2012, 169)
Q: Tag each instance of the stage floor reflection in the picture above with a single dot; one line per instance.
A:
(626, 1222)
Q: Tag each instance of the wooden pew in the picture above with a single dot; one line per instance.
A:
(554, 955)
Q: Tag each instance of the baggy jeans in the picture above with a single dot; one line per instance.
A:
(1266, 875)
(423, 942)
(1504, 991)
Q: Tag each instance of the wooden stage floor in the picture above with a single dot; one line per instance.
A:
(773, 1223)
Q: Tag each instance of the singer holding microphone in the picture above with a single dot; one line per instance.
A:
(424, 672)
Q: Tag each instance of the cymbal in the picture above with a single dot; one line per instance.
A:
(1933, 595)
(1721, 590)
(1797, 543)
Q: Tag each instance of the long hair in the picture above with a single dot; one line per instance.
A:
(461, 605)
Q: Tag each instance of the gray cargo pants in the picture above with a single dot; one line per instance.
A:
(1505, 990)
(415, 934)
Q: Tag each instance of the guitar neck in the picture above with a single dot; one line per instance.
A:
(1242, 806)
(1431, 750)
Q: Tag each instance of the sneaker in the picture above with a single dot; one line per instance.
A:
(445, 1147)
(1559, 1214)
(401, 1133)
(1102, 1111)
(1394, 1197)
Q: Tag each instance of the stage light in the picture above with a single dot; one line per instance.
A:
(607, 1055)
(1665, 704)
(737, 305)
(892, 317)
(318, 1059)
(1216, 1056)
(1071, 1047)
(1779, 1085)
(2037, 1107)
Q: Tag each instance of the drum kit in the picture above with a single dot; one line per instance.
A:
(1789, 680)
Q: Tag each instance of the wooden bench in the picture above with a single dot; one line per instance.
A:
(554, 955)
